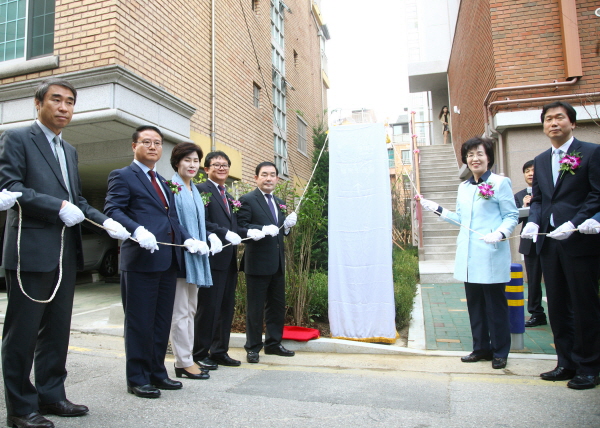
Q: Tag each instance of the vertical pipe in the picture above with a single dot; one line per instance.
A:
(570, 39)
(213, 90)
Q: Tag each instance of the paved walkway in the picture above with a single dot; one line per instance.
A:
(447, 325)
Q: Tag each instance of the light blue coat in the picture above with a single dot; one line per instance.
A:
(476, 261)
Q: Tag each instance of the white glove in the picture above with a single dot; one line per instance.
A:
(216, 246)
(116, 230)
(530, 231)
(233, 237)
(8, 199)
(562, 232)
(589, 227)
(290, 221)
(428, 205)
(146, 239)
(71, 214)
(255, 234)
(492, 238)
(196, 246)
(271, 230)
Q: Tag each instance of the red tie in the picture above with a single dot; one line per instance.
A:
(222, 190)
(161, 195)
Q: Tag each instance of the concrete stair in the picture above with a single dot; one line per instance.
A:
(439, 183)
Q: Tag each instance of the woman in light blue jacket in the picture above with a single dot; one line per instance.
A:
(487, 214)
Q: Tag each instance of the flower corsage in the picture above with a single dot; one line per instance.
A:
(283, 208)
(569, 163)
(174, 186)
(205, 198)
(486, 190)
(235, 205)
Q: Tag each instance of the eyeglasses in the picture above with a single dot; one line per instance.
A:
(148, 143)
(220, 165)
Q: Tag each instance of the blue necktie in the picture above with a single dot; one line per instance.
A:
(271, 206)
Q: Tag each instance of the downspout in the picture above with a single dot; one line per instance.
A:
(213, 89)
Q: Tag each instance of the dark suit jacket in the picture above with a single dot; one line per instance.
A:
(525, 245)
(219, 222)
(28, 165)
(575, 198)
(132, 201)
(263, 257)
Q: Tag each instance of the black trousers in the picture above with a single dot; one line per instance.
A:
(148, 299)
(38, 333)
(533, 266)
(488, 315)
(573, 307)
(265, 300)
(212, 322)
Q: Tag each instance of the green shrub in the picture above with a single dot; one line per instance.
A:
(406, 277)
(317, 289)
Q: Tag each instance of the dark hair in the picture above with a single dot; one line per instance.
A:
(143, 128)
(571, 113)
(43, 87)
(488, 146)
(263, 164)
(442, 112)
(212, 155)
(182, 150)
(527, 165)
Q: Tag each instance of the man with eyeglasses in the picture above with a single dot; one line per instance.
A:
(264, 264)
(216, 304)
(142, 201)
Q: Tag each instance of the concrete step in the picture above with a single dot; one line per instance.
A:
(437, 278)
(440, 256)
(451, 231)
(439, 240)
(439, 249)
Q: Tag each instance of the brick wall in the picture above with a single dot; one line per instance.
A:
(168, 44)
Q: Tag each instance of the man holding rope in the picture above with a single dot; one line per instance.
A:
(142, 201)
(566, 192)
(42, 252)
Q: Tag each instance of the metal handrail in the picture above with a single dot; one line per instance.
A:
(414, 148)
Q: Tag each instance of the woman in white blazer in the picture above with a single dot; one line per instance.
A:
(487, 214)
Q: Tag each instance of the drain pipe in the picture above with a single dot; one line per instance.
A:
(213, 89)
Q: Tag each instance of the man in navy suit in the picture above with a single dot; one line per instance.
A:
(216, 304)
(562, 201)
(532, 260)
(37, 162)
(141, 200)
(264, 264)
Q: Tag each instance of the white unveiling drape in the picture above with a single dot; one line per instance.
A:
(361, 289)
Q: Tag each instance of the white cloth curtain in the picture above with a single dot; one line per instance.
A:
(361, 289)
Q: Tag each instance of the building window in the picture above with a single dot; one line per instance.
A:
(254, 5)
(406, 157)
(406, 182)
(279, 87)
(26, 28)
(392, 163)
(301, 135)
(281, 155)
(256, 95)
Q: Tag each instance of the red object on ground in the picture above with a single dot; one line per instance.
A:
(300, 334)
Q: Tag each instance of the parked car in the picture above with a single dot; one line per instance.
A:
(100, 252)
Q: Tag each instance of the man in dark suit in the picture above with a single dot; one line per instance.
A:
(141, 200)
(216, 304)
(566, 192)
(264, 264)
(35, 161)
(533, 266)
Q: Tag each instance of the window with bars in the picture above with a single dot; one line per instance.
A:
(281, 155)
(406, 157)
(26, 29)
(301, 135)
(279, 87)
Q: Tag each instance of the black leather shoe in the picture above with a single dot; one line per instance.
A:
(584, 382)
(225, 360)
(535, 321)
(64, 408)
(252, 357)
(559, 373)
(473, 357)
(183, 372)
(144, 391)
(167, 383)
(498, 363)
(207, 364)
(32, 420)
(279, 350)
